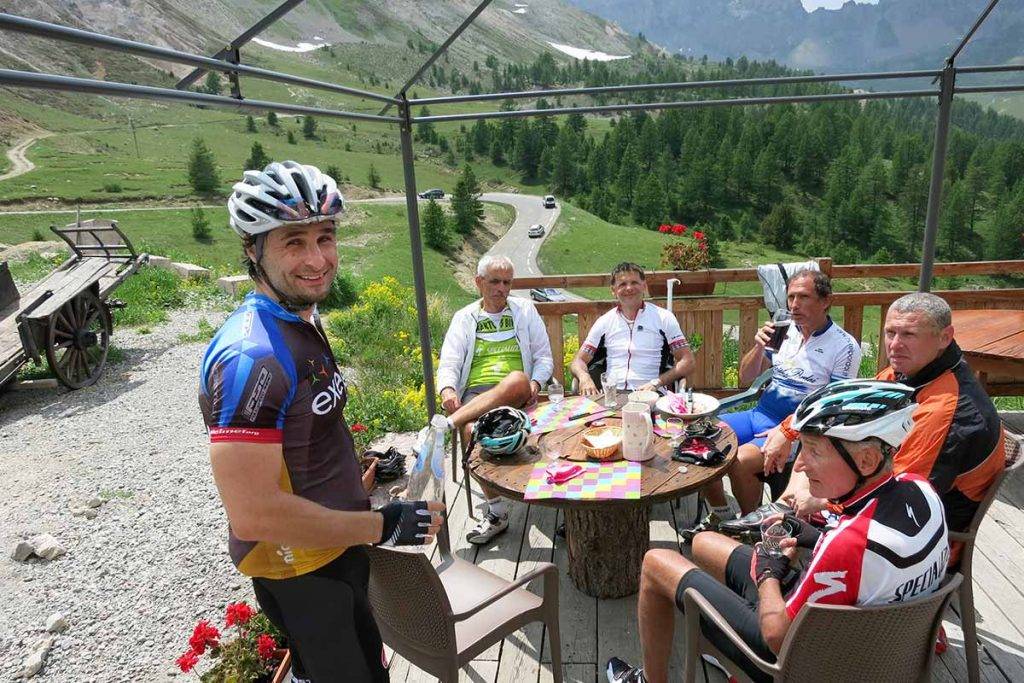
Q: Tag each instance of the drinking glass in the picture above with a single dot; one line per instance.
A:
(608, 384)
(782, 319)
(675, 426)
(773, 531)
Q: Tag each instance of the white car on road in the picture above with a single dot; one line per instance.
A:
(536, 231)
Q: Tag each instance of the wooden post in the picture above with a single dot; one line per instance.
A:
(853, 321)
(882, 358)
(553, 323)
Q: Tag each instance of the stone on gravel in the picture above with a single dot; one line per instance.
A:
(56, 623)
(22, 551)
(33, 664)
(95, 502)
(47, 547)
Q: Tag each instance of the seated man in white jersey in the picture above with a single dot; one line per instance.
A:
(496, 353)
(815, 351)
(891, 544)
(644, 345)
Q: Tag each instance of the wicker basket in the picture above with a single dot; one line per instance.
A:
(605, 453)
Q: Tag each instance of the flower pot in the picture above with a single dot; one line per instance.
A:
(284, 669)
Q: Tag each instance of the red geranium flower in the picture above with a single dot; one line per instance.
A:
(703, 245)
(204, 635)
(265, 646)
(358, 427)
(238, 613)
(663, 228)
(698, 234)
(187, 661)
(677, 230)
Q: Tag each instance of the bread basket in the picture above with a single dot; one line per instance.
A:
(607, 452)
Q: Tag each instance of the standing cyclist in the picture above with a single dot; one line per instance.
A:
(281, 451)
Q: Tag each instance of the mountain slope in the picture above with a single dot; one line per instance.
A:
(891, 34)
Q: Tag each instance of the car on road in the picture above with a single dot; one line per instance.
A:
(433, 193)
(535, 231)
(547, 294)
(549, 201)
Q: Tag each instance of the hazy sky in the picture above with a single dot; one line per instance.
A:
(811, 5)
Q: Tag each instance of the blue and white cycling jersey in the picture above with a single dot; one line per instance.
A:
(799, 368)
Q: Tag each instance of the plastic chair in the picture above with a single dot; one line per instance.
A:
(894, 642)
(440, 619)
(965, 596)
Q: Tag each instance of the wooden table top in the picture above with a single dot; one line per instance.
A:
(997, 334)
(660, 479)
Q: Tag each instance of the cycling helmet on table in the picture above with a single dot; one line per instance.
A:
(502, 431)
(857, 410)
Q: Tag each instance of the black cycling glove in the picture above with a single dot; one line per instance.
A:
(405, 523)
(805, 533)
(768, 566)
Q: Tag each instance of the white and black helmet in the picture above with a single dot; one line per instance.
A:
(858, 409)
(283, 193)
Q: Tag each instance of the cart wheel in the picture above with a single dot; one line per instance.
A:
(77, 340)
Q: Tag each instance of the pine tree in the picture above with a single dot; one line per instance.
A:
(649, 209)
(202, 169)
(373, 177)
(250, 124)
(436, 233)
(766, 179)
(272, 119)
(200, 225)
(291, 138)
(563, 171)
(212, 84)
(258, 158)
(1007, 227)
(309, 127)
(626, 178)
(781, 227)
(467, 209)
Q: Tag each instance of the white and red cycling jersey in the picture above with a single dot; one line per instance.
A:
(891, 545)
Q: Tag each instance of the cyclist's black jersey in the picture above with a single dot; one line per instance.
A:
(891, 545)
(269, 376)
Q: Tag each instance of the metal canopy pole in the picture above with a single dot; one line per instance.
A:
(73, 35)
(242, 39)
(947, 83)
(419, 280)
(439, 51)
(970, 34)
(30, 79)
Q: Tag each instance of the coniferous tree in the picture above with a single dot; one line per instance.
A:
(309, 127)
(212, 84)
(780, 228)
(202, 169)
(272, 119)
(1007, 227)
(436, 233)
(467, 209)
(258, 158)
(373, 177)
(649, 210)
(250, 124)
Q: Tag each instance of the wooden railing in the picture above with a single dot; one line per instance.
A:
(704, 315)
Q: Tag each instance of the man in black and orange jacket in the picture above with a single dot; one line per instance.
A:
(957, 441)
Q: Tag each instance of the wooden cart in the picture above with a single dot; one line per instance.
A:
(66, 316)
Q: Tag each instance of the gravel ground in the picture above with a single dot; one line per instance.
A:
(154, 560)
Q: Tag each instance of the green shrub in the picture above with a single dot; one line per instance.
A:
(200, 226)
(344, 292)
(112, 188)
(38, 236)
(151, 292)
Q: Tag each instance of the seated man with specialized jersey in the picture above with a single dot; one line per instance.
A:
(645, 347)
(496, 353)
(957, 441)
(890, 546)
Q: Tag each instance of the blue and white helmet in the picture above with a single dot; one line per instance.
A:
(858, 409)
(502, 431)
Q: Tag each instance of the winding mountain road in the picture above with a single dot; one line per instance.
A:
(20, 163)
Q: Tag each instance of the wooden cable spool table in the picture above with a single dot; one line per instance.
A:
(992, 340)
(607, 538)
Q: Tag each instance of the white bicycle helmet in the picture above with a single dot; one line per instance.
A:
(283, 193)
(856, 410)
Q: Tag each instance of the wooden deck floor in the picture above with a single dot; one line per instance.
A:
(593, 630)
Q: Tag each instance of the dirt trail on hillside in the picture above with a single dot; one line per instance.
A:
(20, 163)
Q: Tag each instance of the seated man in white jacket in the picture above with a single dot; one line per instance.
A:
(496, 353)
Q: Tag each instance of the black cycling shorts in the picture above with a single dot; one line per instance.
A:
(327, 618)
(736, 600)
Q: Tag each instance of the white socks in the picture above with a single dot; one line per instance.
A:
(723, 512)
(497, 506)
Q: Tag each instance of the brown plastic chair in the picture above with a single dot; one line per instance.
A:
(440, 619)
(833, 643)
(965, 596)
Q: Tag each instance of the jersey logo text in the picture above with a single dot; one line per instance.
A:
(326, 400)
(258, 395)
(832, 582)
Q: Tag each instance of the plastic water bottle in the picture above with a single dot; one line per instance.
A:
(556, 393)
(426, 481)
